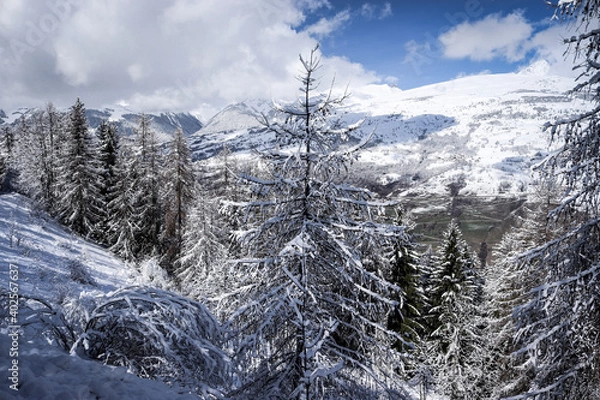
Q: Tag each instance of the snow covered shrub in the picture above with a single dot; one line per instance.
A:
(158, 335)
(152, 274)
(80, 274)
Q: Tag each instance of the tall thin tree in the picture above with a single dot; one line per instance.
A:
(79, 176)
(312, 318)
(180, 188)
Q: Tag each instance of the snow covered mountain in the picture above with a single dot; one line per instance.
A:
(236, 127)
(163, 124)
(481, 133)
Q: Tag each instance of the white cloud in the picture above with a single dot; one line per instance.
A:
(325, 26)
(386, 11)
(515, 40)
(548, 46)
(487, 39)
(371, 11)
(159, 55)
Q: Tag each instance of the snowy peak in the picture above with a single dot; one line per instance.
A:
(538, 68)
(485, 130)
(235, 117)
(164, 124)
(235, 127)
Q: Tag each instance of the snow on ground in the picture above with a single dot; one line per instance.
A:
(52, 263)
(48, 373)
(40, 259)
(485, 129)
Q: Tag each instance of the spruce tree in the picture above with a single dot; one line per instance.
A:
(6, 150)
(407, 318)
(455, 344)
(123, 216)
(108, 157)
(79, 176)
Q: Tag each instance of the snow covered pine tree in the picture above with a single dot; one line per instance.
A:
(312, 320)
(108, 157)
(79, 176)
(456, 341)
(559, 327)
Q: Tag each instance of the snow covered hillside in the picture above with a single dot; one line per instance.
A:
(482, 132)
(50, 267)
(126, 120)
(40, 260)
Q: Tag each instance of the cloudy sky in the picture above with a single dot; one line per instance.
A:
(200, 55)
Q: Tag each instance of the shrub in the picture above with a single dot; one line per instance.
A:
(160, 335)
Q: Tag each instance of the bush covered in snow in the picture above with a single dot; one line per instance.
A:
(159, 335)
(80, 273)
(150, 273)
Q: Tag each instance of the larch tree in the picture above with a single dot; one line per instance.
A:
(146, 189)
(54, 131)
(559, 325)
(35, 159)
(202, 267)
(312, 315)
(507, 286)
(180, 186)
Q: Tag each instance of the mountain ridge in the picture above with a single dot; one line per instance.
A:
(164, 124)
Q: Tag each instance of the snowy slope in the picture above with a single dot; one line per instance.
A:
(44, 253)
(40, 259)
(484, 132)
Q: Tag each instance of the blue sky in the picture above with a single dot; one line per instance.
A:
(200, 55)
(401, 39)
